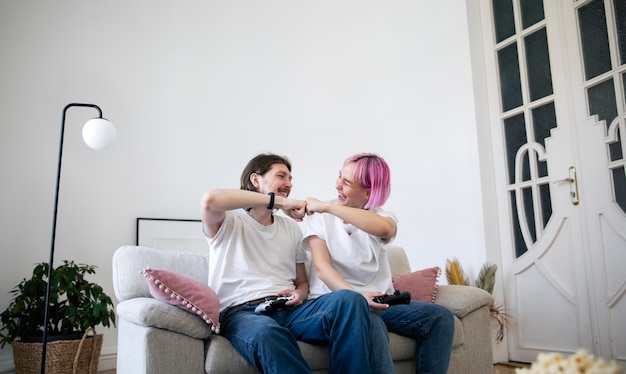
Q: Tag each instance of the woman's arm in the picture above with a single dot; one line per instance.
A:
(370, 222)
(330, 276)
(323, 266)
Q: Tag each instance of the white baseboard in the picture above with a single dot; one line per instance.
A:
(6, 365)
(107, 362)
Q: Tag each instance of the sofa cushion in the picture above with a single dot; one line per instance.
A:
(222, 357)
(315, 355)
(422, 284)
(402, 348)
(150, 312)
(459, 336)
(186, 293)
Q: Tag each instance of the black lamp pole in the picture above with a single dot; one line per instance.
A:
(54, 226)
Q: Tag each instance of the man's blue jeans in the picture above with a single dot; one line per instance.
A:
(431, 325)
(340, 319)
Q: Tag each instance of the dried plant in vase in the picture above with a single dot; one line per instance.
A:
(486, 280)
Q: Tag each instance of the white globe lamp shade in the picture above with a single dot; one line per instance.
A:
(99, 133)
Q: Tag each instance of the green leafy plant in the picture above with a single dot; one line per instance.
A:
(75, 304)
(486, 280)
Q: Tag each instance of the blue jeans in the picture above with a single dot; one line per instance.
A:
(380, 355)
(340, 319)
(431, 325)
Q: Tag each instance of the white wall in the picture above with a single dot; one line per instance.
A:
(196, 88)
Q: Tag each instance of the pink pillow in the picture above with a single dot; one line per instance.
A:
(422, 284)
(186, 293)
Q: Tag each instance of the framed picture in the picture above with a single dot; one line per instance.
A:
(166, 233)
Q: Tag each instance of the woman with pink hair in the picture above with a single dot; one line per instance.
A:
(346, 240)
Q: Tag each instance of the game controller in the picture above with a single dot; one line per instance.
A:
(397, 298)
(271, 306)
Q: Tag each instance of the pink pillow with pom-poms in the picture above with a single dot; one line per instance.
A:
(422, 284)
(186, 293)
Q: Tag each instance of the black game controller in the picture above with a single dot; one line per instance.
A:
(271, 306)
(397, 298)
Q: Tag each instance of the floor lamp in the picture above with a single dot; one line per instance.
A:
(98, 133)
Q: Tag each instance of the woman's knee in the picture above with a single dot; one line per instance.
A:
(349, 296)
(344, 303)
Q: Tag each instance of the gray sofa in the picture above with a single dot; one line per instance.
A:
(155, 337)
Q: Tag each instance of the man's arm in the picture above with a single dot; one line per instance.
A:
(216, 202)
(301, 293)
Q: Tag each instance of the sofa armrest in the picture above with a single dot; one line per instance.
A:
(461, 300)
(149, 312)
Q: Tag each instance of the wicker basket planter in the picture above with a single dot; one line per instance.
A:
(75, 306)
(76, 356)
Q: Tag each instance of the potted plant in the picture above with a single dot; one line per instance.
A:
(76, 307)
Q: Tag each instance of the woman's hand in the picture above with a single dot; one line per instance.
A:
(374, 306)
(314, 205)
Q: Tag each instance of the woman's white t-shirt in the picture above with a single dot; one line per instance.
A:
(357, 256)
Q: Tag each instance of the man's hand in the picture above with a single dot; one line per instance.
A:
(296, 209)
(296, 297)
(314, 205)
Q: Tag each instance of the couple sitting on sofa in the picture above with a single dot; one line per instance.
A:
(256, 255)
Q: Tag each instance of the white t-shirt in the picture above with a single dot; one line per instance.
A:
(358, 257)
(249, 261)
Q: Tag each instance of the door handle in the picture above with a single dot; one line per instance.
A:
(573, 185)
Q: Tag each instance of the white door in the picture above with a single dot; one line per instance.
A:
(558, 128)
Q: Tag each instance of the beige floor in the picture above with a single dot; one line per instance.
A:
(504, 368)
(508, 367)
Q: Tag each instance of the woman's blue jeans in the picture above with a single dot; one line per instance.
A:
(340, 319)
(431, 325)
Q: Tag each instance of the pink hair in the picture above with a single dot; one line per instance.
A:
(372, 172)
